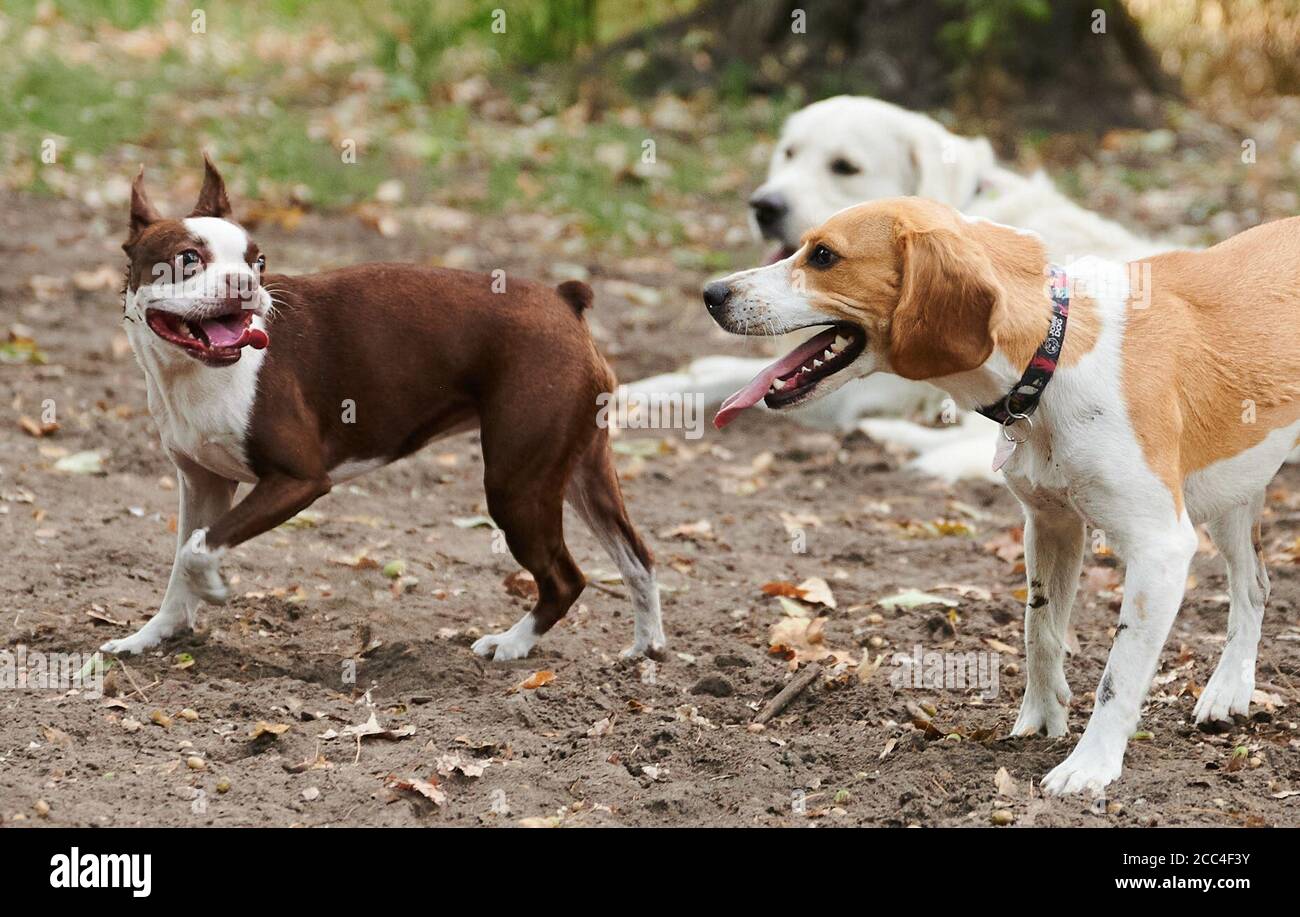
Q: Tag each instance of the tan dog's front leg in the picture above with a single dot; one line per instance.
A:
(1053, 560)
(275, 499)
(204, 496)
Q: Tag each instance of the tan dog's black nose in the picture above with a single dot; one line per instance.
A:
(715, 296)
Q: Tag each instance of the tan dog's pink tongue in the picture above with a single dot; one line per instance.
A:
(753, 393)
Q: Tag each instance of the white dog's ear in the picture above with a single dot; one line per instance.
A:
(950, 303)
(948, 168)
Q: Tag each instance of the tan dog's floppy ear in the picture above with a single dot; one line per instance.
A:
(949, 305)
(143, 213)
(212, 198)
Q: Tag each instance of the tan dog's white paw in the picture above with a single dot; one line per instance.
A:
(1085, 770)
(1228, 692)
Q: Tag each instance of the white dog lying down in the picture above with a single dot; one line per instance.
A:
(849, 149)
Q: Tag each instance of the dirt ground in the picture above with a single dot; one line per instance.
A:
(605, 742)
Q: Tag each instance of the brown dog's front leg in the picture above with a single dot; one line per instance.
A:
(275, 499)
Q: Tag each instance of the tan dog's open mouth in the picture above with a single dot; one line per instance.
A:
(216, 340)
(795, 377)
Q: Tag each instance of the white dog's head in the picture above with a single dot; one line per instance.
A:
(851, 149)
(195, 283)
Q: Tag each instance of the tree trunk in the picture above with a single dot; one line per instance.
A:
(1058, 70)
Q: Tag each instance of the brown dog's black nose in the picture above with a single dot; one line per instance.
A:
(715, 295)
(768, 208)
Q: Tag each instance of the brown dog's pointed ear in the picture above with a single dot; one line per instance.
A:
(949, 305)
(212, 198)
(143, 212)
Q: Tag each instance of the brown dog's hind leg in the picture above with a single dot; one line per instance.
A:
(595, 493)
(530, 514)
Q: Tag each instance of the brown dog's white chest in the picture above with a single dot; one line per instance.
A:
(202, 413)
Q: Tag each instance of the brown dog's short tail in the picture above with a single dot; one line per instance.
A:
(577, 294)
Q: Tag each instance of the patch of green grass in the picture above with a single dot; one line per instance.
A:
(51, 99)
(121, 14)
(280, 151)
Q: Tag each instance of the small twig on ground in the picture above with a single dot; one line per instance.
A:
(607, 589)
(134, 684)
(796, 687)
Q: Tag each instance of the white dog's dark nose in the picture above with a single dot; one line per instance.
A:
(769, 208)
(715, 296)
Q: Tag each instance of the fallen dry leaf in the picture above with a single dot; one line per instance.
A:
(691, 531)
(262, 727)
(803, 640)
(35, 428)
(371, 729)
(1006, 784)
(429, 790)
(817, 591)
(782, 587)
(521, 585)
(536, 680)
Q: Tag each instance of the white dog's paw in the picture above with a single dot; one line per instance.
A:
(203, 569)
(1085, 770)
(515, 643)
(1044, 711)
(157, 629)
(1227, 692)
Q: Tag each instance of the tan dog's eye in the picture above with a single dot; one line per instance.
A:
(789, 152)
(822, 257)
(842, 166)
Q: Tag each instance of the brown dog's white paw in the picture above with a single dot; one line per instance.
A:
(203, 569)
(155, 631)
(515, 643)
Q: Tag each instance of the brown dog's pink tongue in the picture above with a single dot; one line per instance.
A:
(753, 393)
(225, 331)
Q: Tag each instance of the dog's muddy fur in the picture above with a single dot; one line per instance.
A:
(605, 742)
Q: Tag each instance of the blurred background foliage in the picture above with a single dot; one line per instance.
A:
(554, 111)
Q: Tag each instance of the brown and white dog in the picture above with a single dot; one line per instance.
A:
(295, 383)
(1168, 408)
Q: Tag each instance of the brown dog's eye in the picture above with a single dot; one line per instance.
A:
(261, 264)
(189, 261)
(821, 256)
(842, 166)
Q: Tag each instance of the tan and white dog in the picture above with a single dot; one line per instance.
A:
(848, 150)
(1169, 406)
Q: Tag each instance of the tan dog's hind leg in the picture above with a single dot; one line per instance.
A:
(1236, 535)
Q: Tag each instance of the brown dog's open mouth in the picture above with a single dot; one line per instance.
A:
(793, 378)
(216, 340)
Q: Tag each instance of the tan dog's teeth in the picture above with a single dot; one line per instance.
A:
(828, 353)
(777, 385)
(816, 363)
(840, 343)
